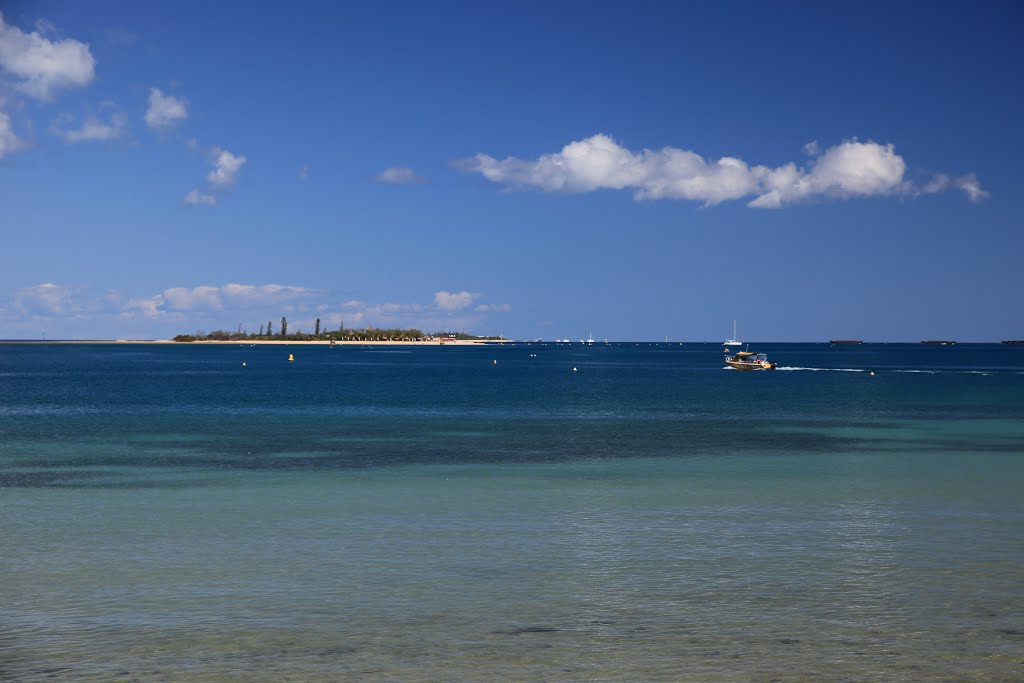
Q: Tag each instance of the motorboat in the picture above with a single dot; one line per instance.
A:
(748, 360)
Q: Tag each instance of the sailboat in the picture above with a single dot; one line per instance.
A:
(590, 339)
(733, 341)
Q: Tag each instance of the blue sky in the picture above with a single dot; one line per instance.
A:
(541, 170)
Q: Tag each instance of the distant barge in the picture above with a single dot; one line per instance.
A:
(1013, 341)
(845, 341)
(939, 342)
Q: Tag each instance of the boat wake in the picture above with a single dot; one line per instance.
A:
(822, 369)
(907, 371)
(947, 372)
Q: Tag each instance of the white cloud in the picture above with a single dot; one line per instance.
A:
(304, 172)
(218, 305)
(41, 66)
(206, 299)
(197, 198)
(149, 308)
(91, 129)
(225, 169)
(812, 149)
(967, 183)
(971, 187)
(45, 300)
(850, 169)
(165, 111)
(399, 175)
(453, 301)
(9, 142)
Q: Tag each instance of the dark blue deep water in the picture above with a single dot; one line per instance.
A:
(215, 513)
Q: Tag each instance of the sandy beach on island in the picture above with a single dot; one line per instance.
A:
(255, 342)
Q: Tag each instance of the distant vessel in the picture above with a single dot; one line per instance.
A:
(590, 339)
(734, 341)
(845, 341)
(748, 360)
(939, 342)
(1013, 341)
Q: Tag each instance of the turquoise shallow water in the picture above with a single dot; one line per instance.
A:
(168, 514)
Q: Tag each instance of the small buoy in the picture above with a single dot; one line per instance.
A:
(243, 363)
(872, 373)
(495, 361)
(574, 369)
(291, 357)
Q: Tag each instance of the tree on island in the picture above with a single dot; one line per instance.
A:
(342, 334)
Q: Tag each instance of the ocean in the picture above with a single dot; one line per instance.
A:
(218, 513)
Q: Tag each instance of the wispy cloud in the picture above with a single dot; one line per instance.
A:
(180, 309)
(165, 111)
(968, 184)
(41, 66)
(304, 172)
(198, 198)
(119, 37)
(848, 170)
(91, 129)
(9, 142)
(399, 175)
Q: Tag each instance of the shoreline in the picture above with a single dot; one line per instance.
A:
(254, 342)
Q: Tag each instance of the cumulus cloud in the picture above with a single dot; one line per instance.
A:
(198, 198)
(41, 66)
(165, 111)
(225, 169)
(399, 175)
(847, 170)
(453, 301)
(210, 298)
(218, 305)
(45, 300)
(9, 142)
(91, 129)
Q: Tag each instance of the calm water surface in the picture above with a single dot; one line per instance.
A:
(384, 514)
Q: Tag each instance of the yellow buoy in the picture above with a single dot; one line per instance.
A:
(872, 373)
(291, 357)
(495, 361)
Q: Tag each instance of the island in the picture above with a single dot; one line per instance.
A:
(342, 335)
